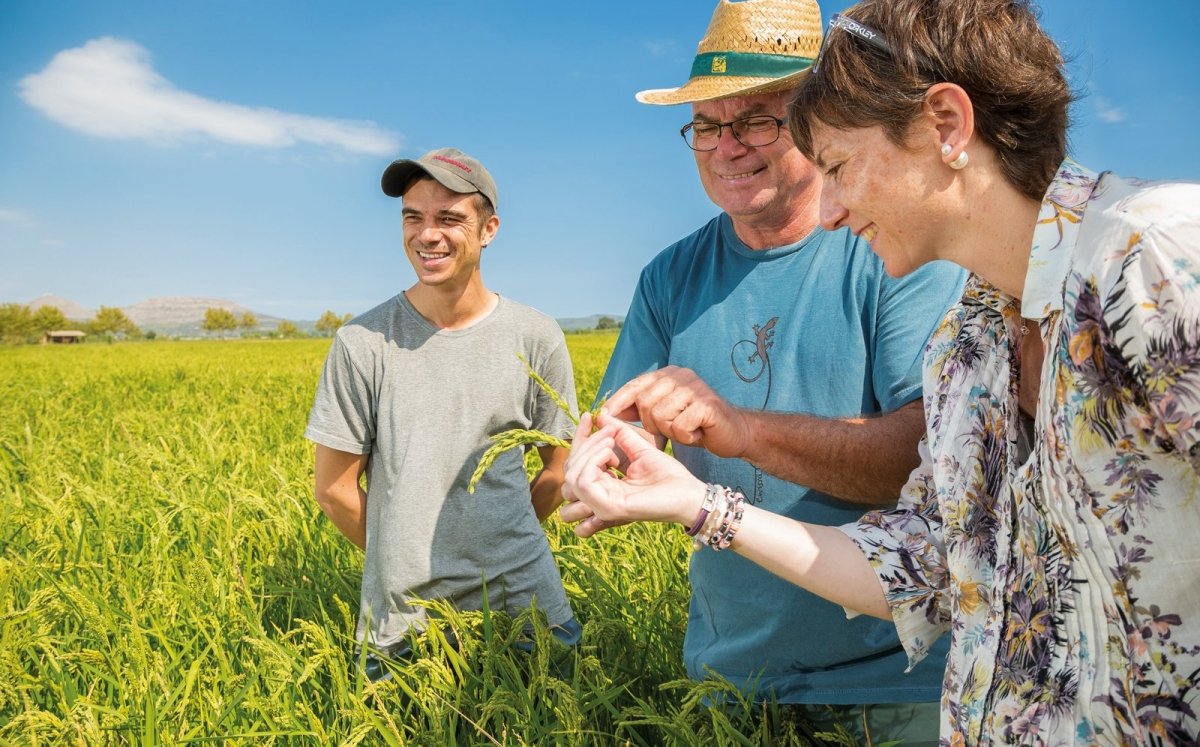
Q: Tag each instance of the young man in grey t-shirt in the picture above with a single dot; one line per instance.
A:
(410, 394)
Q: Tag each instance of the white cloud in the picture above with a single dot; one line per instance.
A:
(108, 88)
(16, 216)
(1108, 111)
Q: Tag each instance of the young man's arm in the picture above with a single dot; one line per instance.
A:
(340, 494)
(546, 488)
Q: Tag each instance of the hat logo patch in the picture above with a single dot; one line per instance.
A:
(454, 163)
(718, 65)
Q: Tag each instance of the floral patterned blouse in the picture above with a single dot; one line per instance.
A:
(1069, 582)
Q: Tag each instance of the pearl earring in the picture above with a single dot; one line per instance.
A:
(946, 149)
(960, 162)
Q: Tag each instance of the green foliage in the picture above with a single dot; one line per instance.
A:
(16, 323)
(607, 322)
(19, 324)
(110, 320)
(287, 329)
(48, 318)
(167, 578)
(219, 320)
(248, 321)
(331, 322)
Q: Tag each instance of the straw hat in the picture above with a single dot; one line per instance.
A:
(752, 46)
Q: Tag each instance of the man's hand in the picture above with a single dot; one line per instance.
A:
(675, 403)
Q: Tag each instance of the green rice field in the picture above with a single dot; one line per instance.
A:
(167, 578)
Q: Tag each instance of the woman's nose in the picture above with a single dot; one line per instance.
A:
(833, 213)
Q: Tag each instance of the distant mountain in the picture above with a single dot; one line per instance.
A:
(174, 315)
(172, 312)
(183, 315)
(586, 322)
(69, 308)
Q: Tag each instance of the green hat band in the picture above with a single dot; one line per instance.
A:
(747, 65)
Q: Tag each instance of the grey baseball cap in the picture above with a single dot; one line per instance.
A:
(453, 169)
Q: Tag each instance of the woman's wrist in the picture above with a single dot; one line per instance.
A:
(691, 503)
(718, 518)
(708, 503)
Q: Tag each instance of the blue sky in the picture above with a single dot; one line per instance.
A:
(233, 149)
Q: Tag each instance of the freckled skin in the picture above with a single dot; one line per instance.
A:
(895, 197)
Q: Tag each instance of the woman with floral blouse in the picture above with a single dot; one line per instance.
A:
(1053, 526)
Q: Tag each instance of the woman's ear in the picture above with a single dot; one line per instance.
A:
(949, 109)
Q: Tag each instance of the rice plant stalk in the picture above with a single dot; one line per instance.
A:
(511, 439)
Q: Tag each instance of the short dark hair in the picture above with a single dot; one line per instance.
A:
(994, 49)
(484, 207)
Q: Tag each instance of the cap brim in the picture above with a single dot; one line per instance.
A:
(708, 88)
(400, 174)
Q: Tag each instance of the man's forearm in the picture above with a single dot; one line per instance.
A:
(546, 494)
(864, 460)
(546, 488)
(339, 492)
(348, 513)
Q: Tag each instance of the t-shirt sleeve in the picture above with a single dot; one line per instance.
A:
(644, 343)
(557, 372)
(909, 309)
(905, 549)
(343, 414)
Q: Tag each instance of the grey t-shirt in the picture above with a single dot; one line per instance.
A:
(422, 402)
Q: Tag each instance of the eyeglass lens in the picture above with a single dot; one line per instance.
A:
(753, 132)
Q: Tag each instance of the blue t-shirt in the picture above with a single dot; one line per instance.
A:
(816, 327)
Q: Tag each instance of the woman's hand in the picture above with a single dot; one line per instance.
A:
(655, 488)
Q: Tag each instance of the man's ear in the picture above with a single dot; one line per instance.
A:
(952, 115)
(490, 227)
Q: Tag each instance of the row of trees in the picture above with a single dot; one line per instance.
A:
(224, 320)
(330, 322)
(19, 323)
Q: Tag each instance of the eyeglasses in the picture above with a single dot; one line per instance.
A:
(866, 33)
(753, 132)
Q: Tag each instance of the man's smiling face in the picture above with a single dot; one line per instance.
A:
(444, 233)
(763, 185)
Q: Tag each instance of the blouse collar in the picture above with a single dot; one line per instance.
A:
(1054, 238)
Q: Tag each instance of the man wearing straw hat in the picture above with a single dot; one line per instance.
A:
(782, 360)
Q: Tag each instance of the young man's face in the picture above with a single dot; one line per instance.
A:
(444, 233)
